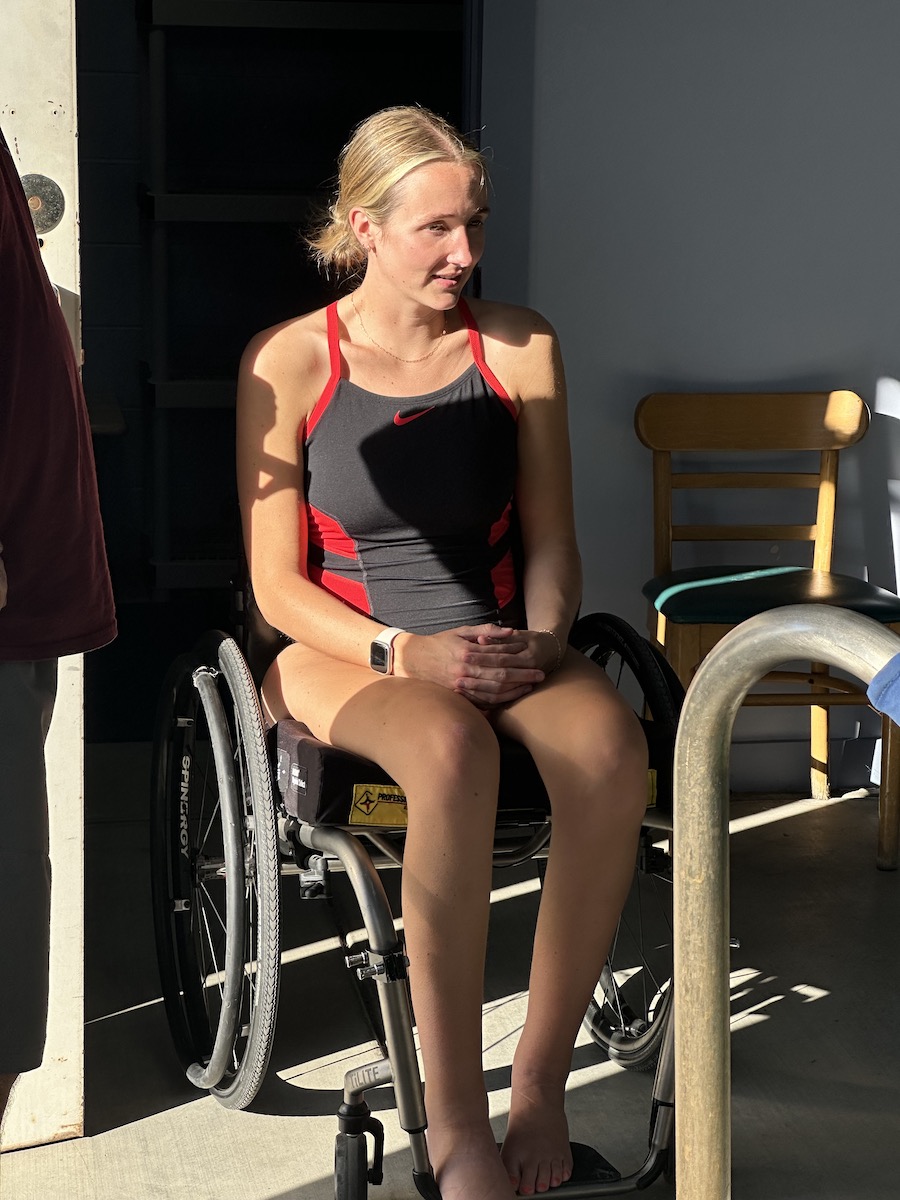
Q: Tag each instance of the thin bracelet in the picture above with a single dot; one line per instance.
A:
(558, 646)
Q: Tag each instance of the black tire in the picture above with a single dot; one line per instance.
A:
(642, 673)
(216, 872)
(627, 1015)
(351, 1167)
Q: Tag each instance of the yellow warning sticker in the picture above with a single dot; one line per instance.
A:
(651, 787)
(378, 804)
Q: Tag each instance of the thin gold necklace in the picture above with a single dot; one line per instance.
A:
(390, 352)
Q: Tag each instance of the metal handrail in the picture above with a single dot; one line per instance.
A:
(820, 633)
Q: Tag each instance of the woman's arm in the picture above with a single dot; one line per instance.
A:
(282, 372)
(552, 578)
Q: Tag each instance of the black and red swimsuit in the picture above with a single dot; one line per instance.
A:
(409, 500)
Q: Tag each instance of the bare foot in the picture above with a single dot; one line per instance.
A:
(467, 1163)
(536, 1152)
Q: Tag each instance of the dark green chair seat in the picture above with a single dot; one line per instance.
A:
(717, 596)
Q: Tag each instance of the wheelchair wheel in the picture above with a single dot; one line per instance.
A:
(627, 1014)
(351, 1167)
(216, 872)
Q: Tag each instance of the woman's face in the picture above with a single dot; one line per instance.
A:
(434, 237)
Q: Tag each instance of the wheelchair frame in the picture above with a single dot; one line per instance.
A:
(221, 1005)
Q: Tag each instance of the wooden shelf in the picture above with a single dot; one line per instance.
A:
(236, 207)
(195, 572)
(305, 14)
(194, 393)
(106, 417)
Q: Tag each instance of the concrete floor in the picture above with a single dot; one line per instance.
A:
(816, 1051)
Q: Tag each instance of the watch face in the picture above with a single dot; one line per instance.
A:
(379, 657)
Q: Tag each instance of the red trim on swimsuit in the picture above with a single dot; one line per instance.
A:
(334, 359)
(503, 575)
(328, 534)
(477, 347)
(500, 526)
(348, 590)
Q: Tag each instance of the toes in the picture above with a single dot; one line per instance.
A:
(530, 1178)
(543, 1177)
(526, 1187)
(560, 1173)
(522, 1179)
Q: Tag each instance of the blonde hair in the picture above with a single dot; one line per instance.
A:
(382, 151)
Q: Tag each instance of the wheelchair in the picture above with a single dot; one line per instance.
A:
(237, 808)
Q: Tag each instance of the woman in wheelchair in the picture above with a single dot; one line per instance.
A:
(389, 448)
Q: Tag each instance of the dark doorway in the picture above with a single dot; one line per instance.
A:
(209, 134)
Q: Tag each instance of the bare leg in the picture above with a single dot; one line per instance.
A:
(6, 1086)
(444, 754)
(592, 756)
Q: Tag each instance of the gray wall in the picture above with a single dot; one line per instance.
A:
(701, 195)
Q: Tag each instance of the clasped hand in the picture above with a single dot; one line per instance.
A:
(488, 664)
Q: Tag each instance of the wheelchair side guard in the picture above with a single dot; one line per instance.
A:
(315, 781)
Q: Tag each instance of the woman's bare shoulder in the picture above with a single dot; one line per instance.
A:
(521, 347)
(292, 350)
(290, 362)
(513, 323)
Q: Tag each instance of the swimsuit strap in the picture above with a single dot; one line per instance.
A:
(334, 346)
(478, 354)
(334, 359)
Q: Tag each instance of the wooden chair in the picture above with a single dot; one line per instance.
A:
(726, 441)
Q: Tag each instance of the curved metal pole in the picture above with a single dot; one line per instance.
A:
(819, 633)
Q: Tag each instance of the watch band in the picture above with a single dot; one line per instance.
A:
(381, 651)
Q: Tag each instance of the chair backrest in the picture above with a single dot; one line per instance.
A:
(762, 423)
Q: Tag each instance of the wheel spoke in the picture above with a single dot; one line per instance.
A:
(217, 973)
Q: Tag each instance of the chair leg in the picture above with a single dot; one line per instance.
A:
(889, 798)
(683, 650)
(818, 746)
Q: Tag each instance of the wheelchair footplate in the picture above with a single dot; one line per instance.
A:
(589, 1166)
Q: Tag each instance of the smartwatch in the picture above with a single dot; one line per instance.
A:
(381, 652)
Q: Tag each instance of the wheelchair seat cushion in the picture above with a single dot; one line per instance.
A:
(729, 595)
(322, 785)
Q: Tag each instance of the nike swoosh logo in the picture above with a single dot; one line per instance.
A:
(398, 420)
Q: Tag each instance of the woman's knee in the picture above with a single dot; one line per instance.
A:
(454, 747)
(603, 758)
